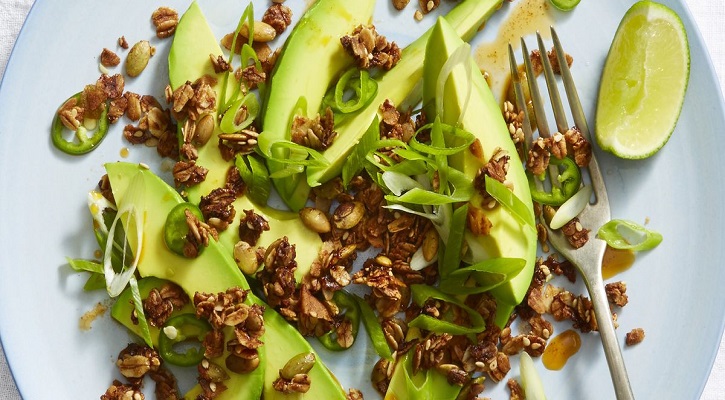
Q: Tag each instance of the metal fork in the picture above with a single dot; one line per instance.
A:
(588, 258)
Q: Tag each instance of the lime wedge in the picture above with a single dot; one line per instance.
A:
(644, 82)
(565, 5)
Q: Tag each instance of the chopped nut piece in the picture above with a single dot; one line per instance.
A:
(217, 207)
(136, 360)
(635, 336)
(122, 43)
(166, 385)
(165, 19)
(617, 293)
(478, 222)
(278, 17)
(198, 236)
(119, 391)
(188, 173)
(538, 157)
(317, 133)
(370, 49)
(109, 58)
(354, 394)
(427, 6)
(554, 60)
(575, 234)
(579, 146)
(251, 227)
(219, 63)
(517, 393)
(400, 4)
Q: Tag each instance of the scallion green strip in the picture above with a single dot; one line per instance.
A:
(256, 176)
(421, 293)
(356, 81)
(248, 17)
(228, 124)
(508, 200)
(85, 265)
(356, 162)
(466, 137)
(138, 306)
(451, 259)
(487, 275)
(628, 235)
(373, 328)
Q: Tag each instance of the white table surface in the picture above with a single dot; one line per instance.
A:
(709, 15)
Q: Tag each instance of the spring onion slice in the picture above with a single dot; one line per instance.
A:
(356, 162)
(507, 199)
(96, 204)
(131, 215)
(487, 275)
(451, 259)
(463, 137)
(256, 176)
(530, 379)
(85, 265)
(373, 328)
(298, 155)
(352, 80)
(571, 208)
(418, 261)
(248, 17)
(138, 307)
(628, 235)
(228, 124)
(460, 56)
(421, 293)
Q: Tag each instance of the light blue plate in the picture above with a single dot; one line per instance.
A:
(675, 291)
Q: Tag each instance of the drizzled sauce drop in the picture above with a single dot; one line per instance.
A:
(124, 152)
(560, 349)
(616, 261)
(525, 18)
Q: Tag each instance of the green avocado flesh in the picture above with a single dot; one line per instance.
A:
(398, 85)
(188, 61)
(483, 118)
(312, 58)
(213, 271)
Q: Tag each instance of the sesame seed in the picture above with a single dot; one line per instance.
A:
(526, 342)
(430, 5)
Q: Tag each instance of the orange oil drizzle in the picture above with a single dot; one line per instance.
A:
(616, 261)
(560, 349)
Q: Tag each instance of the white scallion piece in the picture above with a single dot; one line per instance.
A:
(530, 379)
(130, 214)
(96, 204)
(571, 208)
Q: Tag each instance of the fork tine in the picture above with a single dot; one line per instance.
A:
(559, 113)
(571, 93)
(520, 99)
(539, 112)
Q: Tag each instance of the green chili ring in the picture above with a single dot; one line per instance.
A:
(85, 143)
(176, 228)
(570, 179)
(352, 313)
(188, 328)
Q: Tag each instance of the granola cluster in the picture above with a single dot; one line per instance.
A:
(136, 362)
(370, 49)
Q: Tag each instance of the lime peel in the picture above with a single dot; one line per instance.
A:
(644, 81)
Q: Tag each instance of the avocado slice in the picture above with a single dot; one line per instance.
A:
(215, 271)
(398, 85)
(508, 238)
(188, 61)
(311, 59)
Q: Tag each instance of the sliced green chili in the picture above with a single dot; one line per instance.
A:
(176, 228)
(570, 180)
(183, 328)
(352, 80)
(347, 303)
(82, 143)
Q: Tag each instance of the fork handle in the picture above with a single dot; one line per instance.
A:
(612, 351)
